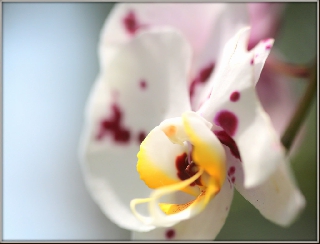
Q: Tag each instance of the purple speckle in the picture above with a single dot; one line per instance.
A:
(268, 46)
(233, 179)
(143, 84)
(227, 120)
(252, 61)
(235, 96)
(170, 233)
(131, 23)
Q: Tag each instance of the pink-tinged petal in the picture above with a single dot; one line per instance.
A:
(265, 20)
(245, 120)
(204, 226)
(278, 198)
(277, 98)
(120, 113)
(230, 20)
(193, 20)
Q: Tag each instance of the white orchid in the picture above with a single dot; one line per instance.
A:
(213, 135)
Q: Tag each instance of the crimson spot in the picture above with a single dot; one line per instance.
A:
(141, 136)
(235, 96)
(170, 233)
(231, 170)
(143, 84)
(112, 126)
(131, 23)
(202, 77)
(227, 120)
(226, 140)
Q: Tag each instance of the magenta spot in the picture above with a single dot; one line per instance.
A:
(186, 170)
(202, 77)
(141, 136)
(252, 61)
(131, 23)
(233, 179)
(227, 120)
(206, 72)
(226, 140)
(170, 233)
(231, 170)
(112, 126)
(235, 96)
(268, 46)
(143, 84)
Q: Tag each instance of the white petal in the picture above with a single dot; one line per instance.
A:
(204, 226)
(234, 106)
(193, 20)
(131, 96)
(229, 21)
(278, 198)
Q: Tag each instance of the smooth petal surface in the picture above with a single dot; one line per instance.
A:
(131, 96)
(278, 198)
(234, 106)
(265, 19)
(204, 226)
(193, 20)
(231, 19)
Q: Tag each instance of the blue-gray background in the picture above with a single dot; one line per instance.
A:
(49, 65)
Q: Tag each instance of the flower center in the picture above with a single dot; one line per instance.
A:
(187, 168)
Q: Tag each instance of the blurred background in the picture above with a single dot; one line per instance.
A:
(49, 65)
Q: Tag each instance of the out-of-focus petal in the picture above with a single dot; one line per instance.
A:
(278, 198)
(234, 106)
(265, 20)
(193, 20)
(143, 82)
(204, 226)
(231, 19)
(276, 96)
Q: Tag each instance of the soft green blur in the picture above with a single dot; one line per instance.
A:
(297, 41)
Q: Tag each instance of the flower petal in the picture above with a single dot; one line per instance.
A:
(132, 94)
(207, 151)
(204, 226)
(230, 20)
(265, 20)
(158, 160)
(193, 20)
(234, 106)
(278, 198)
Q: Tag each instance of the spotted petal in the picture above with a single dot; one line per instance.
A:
(234, 106)
(129, 98)
(193, 20)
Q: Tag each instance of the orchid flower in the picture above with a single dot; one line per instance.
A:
(202, 133)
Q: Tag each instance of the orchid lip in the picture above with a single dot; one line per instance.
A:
(201, 167)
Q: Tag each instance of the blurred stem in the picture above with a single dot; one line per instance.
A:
(289, 69)
(303, 107)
